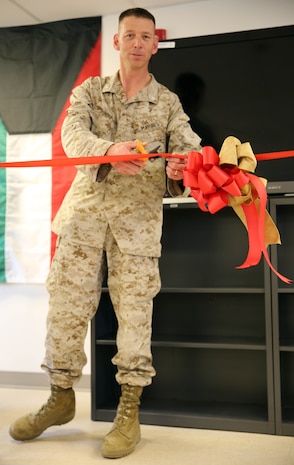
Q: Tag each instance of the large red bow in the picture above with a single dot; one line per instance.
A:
(226, 179)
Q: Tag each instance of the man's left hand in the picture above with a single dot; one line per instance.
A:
(174, 168)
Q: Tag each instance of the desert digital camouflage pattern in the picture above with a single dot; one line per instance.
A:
(120, 214)
(131, 205)
(74, 285)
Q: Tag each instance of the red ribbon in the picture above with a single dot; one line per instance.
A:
(255, 219)
(100, 160)
(274, 155)
(77, 161)
(211, 185)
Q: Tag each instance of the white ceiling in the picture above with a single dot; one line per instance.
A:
(25, 12)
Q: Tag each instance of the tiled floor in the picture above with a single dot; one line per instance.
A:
(79, 442)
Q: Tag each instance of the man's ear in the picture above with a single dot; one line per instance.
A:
(115, 42)
(155, 46)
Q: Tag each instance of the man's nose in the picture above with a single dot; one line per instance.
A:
(138, 41)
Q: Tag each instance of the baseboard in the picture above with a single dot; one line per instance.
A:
(15, 379)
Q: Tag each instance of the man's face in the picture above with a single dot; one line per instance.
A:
(136, 41)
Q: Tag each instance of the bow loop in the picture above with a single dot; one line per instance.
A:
(235, 153)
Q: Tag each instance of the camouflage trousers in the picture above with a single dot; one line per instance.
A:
(74, 285)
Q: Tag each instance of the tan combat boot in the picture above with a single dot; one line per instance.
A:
(59, 409)
(125, 433)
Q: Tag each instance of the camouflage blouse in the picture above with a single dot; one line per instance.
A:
(100, 197)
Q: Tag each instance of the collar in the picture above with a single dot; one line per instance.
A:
(148, 94)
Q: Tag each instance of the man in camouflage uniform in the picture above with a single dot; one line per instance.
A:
(112, 214)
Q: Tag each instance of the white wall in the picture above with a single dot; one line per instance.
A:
(24, 307)
(203, 18)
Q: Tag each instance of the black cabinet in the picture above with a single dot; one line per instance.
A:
(212, 338)
(282, 211)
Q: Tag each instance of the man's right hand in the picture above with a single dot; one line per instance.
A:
(130, 167)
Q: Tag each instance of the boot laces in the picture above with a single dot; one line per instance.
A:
(48, 405)
(128, 402)
(123, 412)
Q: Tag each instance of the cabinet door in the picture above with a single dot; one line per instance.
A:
(282, 211)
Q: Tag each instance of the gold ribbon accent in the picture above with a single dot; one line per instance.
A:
(240, 155)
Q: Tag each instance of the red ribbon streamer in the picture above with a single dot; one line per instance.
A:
(255, 222)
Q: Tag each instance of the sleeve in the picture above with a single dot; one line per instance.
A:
(181, 139)
(77, 138)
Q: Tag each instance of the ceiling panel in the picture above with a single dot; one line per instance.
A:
(25, 12)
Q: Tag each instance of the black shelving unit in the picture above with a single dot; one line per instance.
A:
(223, 339)
(282, 211)
(212, 331)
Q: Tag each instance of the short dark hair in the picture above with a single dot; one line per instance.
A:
(138, 12)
